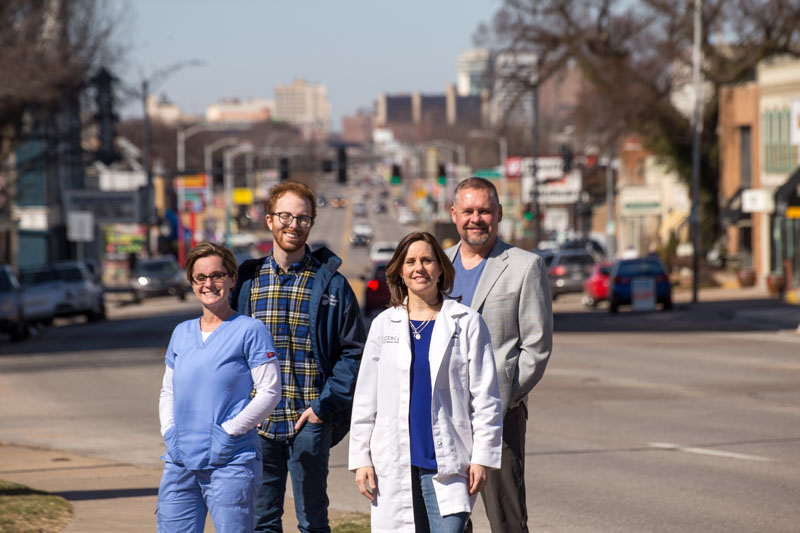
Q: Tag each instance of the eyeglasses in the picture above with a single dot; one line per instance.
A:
(215, 278)
(304, 221)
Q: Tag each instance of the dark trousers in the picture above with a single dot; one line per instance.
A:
(504, 493)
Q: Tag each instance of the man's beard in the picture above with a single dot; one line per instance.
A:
(477, 240)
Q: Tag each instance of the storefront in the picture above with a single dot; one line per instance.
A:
(785, 260)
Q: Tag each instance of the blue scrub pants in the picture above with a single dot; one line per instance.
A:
(305, 458)
(228, 493)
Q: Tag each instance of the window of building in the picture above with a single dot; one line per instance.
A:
(745, 159)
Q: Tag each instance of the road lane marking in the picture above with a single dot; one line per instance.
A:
(706, 451)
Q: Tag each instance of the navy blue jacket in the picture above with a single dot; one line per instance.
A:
(337, 335)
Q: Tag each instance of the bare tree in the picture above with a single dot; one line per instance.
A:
(49, 49)
(636, 56)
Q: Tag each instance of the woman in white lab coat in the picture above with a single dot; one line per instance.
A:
(426, 422)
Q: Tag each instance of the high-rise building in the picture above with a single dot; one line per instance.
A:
(305, 106)
(473, 70)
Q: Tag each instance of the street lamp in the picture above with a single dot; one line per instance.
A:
(208, 164)
(155, 78)
(230, 153)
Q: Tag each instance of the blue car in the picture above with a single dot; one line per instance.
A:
(641, 283)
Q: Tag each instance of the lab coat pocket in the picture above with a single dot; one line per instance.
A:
(171, 441)
(380, 447)
(225, 447)
(462, 444)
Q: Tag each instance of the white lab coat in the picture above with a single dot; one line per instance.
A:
(466, 411)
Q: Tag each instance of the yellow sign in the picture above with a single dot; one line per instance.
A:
(793, 212)
(192, 181)
(242, 196)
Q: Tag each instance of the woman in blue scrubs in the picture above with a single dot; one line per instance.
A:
(208, 418)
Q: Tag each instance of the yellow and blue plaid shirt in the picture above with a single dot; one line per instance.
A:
(282, 301)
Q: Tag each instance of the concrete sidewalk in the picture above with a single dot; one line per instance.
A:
(106, 496)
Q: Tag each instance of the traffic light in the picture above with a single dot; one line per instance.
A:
(396, 176)
(341, 157)
(528, 211)
(442, 174)
(283, 168)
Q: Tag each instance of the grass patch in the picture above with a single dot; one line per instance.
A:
(24, 510)
(349, 523)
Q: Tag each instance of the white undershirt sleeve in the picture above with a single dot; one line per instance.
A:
(165, 410)
(267, 381)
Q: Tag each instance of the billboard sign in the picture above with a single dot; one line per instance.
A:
(106, 206)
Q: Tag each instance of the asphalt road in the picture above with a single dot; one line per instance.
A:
(678, 421)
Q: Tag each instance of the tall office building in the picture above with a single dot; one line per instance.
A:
(305, 106)
(473, 70)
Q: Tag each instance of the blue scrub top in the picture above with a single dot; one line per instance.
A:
(211, 384)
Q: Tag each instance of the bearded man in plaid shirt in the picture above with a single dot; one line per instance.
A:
(315, 320)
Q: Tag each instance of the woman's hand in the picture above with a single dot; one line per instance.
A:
(478, 475)
(365, 479)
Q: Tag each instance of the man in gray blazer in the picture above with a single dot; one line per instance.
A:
(510, 288)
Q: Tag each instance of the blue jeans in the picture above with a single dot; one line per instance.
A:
(452, 523)
(305, 458)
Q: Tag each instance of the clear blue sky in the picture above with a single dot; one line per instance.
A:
(357, 48)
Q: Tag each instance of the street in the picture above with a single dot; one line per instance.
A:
(649, 421)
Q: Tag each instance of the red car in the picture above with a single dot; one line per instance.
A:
(595, 288)
(376, 291)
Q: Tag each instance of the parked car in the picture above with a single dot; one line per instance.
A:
(376, 290)
(360, 209)
(12, 312)
(568, 270)
(158, 276)
(546, 254)
(382, 251)
(595, 288)
(590, 245)
(62, 289)
(379, 207)
(642, 279)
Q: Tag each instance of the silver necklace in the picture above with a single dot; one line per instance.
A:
(418, 331)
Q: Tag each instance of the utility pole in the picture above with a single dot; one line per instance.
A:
(696, 129)
(537, 230)
(610, 225)
(149, 200)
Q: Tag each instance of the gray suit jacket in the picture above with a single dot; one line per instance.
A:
(513, 296)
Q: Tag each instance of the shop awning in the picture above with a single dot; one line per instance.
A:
(672, 222)
(787, 194)
(732, 212)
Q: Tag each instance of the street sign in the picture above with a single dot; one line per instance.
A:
(106, 206)
(640, 201)
(191, 181)
(242, 196)
(757, 201)
(80, 226)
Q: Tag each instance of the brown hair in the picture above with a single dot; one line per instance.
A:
(208, 249)
(478, 183)
(394, 268)
(300, 189)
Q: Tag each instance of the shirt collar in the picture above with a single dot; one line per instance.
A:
(295, 268)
